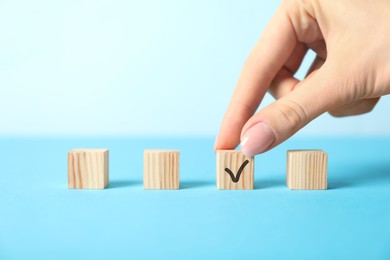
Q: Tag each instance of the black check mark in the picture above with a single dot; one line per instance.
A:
(237, 177)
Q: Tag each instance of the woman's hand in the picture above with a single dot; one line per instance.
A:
(350, 73)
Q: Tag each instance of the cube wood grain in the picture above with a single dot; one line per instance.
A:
(307, 170)
(161, 170)
(88, 169)
(235, 171)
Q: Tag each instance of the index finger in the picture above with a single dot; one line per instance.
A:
(272, 50)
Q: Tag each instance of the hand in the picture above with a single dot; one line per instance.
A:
(351, 71)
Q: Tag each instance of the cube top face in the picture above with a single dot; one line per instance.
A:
(312, 151)
(235, 171)
(88, 169)
(160, 151)
(307, 170)
(89, 150)
(161, 169)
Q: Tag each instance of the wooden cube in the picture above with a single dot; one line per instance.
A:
(88, 169)
(307, 170)
(161, 170)
(235, 171)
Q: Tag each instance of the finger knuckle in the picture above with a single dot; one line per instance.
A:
(293, 114)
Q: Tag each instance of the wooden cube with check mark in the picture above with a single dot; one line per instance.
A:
(235, 171)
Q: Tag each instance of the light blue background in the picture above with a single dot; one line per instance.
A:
(129, 68)
(41, 219)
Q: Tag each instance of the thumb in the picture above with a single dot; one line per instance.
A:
(277, 122)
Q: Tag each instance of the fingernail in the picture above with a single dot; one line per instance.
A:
(257, 139)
